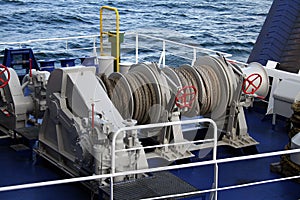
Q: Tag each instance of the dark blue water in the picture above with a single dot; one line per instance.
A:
(226, 25)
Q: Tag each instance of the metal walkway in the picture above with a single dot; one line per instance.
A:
(158, 184)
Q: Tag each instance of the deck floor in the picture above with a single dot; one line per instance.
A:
(242, 172)
(18, 168)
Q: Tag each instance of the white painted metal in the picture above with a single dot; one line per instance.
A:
(257, 68)
(136, 48)
(166, 145)
(277, 76)
(148, 126)
(4, 137)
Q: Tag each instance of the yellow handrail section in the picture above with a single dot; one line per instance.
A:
(117, 58)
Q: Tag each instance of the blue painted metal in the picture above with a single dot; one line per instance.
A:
(67, 62)
(90, 62)
(47, 65)
(18, 59)
(277, 39)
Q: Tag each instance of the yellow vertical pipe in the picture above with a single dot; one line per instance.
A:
(117, 33)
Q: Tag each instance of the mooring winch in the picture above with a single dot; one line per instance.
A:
(82, 110)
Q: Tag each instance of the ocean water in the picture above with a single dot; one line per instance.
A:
(231, 26)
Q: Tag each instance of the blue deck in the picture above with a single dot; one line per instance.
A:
(242, 172)
(17, 168)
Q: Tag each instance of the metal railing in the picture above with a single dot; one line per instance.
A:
(165, 42)
(41, 46)
(214, 190)
(182, 166)
(158, 46)
(160, 125)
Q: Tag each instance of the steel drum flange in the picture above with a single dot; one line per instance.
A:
(145, 69)
(220, 110)
(198, 83)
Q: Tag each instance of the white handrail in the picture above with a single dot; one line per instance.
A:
(49, 39)
(56, 39)
(4, 136)
(182, 44)
(158, 125)
(129, 33)
(164, 145)
(196, 164)
(138, 36)
(157, 169)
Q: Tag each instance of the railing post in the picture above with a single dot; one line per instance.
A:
(137, 48)
(194, 56)
(113, 163)
(164, 53)
(94, 47)
(162, 58)
(216, 170)
(66, 44)
(215, 141)
(112, 188)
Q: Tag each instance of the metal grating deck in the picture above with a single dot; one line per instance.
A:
(158, 184)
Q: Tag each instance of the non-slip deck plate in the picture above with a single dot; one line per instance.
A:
(158, 184)
(30, 133)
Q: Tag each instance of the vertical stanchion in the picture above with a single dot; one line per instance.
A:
(136, 48)
(194, 56)
(216, 170)
(164, 53)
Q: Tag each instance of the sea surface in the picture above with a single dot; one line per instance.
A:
(230, 26)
